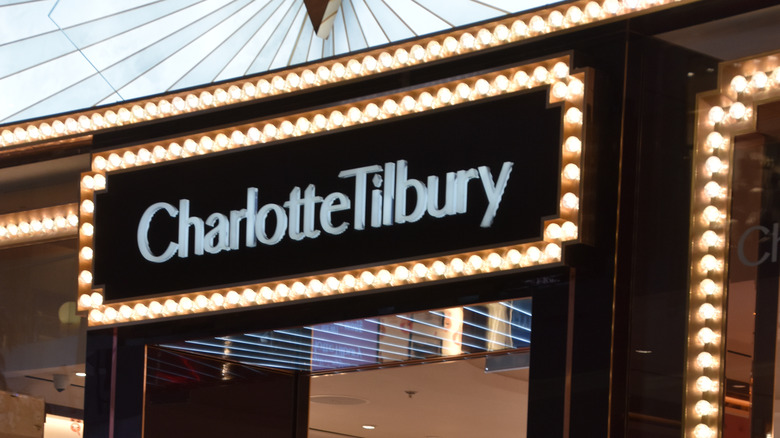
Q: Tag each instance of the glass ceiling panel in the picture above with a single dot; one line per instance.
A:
(385, 340)
(60, 48)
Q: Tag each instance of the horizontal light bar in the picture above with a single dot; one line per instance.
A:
(39, 225)
(528, 26)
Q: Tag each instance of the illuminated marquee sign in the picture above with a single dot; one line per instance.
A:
(477, 175)
(484, 174)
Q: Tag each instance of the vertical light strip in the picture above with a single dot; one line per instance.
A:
(565, 88)
(722, 115)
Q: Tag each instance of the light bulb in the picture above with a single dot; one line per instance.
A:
(569, 230)
(348, 282)
(704, 384)
(85, 277)
(574, 116)
(534, 254)
(703, 431)
(714, 164)
(560, 90)
(570, 200)
(126, 312)
(716, 114)
(571, 172)
(573, 145)
(298, 289)
(85, 301)
(536, 25)
(709, 263)
(711, 213)
(439, 268)
(713, 189)
(553, 231)
(521, 78)
(706, 335)
(705, 360)
(552, 251)
(739, 83)
(555, 19)
(232, 298)
(513, 256)
(707, 311)
(281, 290)
(97, 299)
(457, 266)
(519, 29)
(574, 15)
(710, 238)
(140, 310)
(703, 407)
(185, 304)
(86, 253)
(759, 80)
(737, 111)
(708, 287)
(367, 278)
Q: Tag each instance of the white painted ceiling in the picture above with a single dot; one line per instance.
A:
(64, 55)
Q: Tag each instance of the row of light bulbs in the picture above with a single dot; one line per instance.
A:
(563, 88)
(36, 224)
(709, 232)
(346, 282)
(552, 73)
(506, 31)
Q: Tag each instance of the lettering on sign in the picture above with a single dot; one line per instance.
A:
(298, 219)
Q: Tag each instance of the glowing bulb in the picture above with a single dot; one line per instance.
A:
(570, 200)
(348, 282)
(706, 335)
(232, 298)
(713, 164)
(85, 277)
(87, 229)
(739, 83)
(703, 431)
(201, 302)
(155, 308)
(534, 254)
(367, 278)
(593, 10)
(759, 80)
(574, 116)
(560, 90)
(707, 311)
(519, 29)
(574, 15)
(715, 140)
(553, 231)
(521, 78)
(475, 262)
(710, 238)
(541, 75)
(267, 293)
(170, 307)
(217, 300)
(573, 145)
(269, 130)
(716, 114)
(704, 384)
(298, 289)
(536, 25)
(86, 253)
(711, 213)
(281, 290)
(466, 42)
(85, 301)
(611, 7)
(316, 286)
(95, 315)
(713, 189)
(703, 407)
(571, 172)
(708, 287)
(140, 310)
(457, 265)
(555, 19)
(737, 111)
(514, 256)
(569, 230)
(97, 299)
(126, 312)
(438, 268)
(709, 263)
(552, 251)
(401, 273)
(705, 360)
(501, 32)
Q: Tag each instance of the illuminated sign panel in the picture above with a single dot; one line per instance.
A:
(478, 175)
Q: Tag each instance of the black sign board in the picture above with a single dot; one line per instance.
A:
(475, 175)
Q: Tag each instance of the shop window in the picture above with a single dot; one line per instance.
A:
(446, 373)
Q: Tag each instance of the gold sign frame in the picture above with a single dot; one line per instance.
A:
(722, 115)
(570, 89)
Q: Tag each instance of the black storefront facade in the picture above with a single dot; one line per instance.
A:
(566, 171)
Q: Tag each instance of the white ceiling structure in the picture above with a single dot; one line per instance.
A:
(63, 55)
